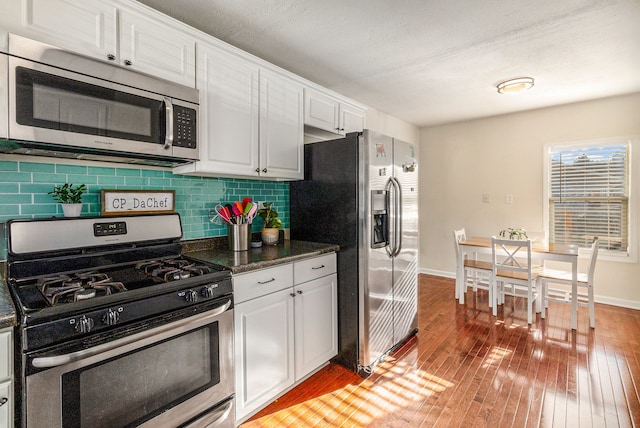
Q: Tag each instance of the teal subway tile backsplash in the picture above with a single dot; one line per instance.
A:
(24, 187)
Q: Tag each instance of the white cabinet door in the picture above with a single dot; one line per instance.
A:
(316, 323)
(153, 47)
(351, 119)
(321, 111)
(228, 113)
(6, 354)
(6, 407)
(87, 27)
(281, 127)
(264, 350)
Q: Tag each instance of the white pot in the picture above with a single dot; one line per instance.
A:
(72, 210)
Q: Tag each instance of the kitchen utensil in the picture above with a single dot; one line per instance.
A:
(223, 213)
(247, 208)
(246, 201)
(232, 216)
(252, 213)
(238, 207)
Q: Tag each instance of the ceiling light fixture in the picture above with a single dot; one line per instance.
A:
(514, 86)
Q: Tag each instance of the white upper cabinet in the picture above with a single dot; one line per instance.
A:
(148, 43)
(327, 113)
(251, 119)
(281, 127)
(153, 47)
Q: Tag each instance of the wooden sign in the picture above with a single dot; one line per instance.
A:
(124, 202)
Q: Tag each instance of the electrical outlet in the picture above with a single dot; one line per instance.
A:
(486, 198)
(508, 199)
(260, 204)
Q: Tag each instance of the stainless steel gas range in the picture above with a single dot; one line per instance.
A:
(117, 328)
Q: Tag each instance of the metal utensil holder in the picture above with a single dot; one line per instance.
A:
(239, 236)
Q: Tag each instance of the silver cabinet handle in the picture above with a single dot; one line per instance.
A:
(168, 109)
(318, 267)
(266, 282)
(192, 322)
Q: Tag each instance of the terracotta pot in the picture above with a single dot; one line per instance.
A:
(270, 236)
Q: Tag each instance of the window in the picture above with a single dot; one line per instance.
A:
(589, 195)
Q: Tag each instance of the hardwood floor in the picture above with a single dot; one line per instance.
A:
(468, 368)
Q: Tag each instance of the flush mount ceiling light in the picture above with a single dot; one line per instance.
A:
(514, 86)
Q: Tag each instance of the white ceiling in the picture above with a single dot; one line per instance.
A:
(436, 61)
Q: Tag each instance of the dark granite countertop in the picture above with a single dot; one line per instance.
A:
(257, 258)
(8, 316)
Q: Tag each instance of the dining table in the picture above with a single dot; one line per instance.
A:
(566, 253)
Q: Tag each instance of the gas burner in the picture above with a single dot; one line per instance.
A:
(172, 269)
(76, 287)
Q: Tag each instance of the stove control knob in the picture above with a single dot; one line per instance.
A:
(84, 325)
(191, 296)
(207, 292)
(111, 317)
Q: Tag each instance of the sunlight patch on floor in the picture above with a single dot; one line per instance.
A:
(403, 384)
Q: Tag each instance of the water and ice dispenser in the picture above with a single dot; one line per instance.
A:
(379, 219)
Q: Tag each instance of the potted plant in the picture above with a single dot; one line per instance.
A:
(272, 224)
(70, 197)
(514, 233)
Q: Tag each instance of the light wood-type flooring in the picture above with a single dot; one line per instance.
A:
(467, 368)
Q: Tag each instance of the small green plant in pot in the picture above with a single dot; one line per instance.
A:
(70, 197)
(272, 224)
(514, 233)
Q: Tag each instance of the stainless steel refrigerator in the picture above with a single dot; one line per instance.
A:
(361, 193)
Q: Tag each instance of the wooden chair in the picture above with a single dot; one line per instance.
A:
(477, 274)
(585, 280)
(513, 274)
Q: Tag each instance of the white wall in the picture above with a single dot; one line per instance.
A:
(504, 154)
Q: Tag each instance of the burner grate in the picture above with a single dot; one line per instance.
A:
(77, 287)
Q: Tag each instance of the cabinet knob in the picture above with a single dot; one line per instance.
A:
(127, 62)
(264, 170)
(111, 57)
(292, 294)
(299, 291)
(258, 170)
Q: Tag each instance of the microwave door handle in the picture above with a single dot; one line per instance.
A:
(168, 110)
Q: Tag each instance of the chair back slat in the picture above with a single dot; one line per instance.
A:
(458, 236)
(507, 255)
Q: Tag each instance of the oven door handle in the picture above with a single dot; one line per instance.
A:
(212, 419)
(192, 322)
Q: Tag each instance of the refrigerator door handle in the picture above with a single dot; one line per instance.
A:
(398, 218)
(391, 247)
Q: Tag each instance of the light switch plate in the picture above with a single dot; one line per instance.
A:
(508, 199)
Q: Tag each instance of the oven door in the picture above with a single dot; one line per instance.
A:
(178, 373)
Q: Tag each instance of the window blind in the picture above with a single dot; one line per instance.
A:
(589, 196)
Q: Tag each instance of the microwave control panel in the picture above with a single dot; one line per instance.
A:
(184, 127)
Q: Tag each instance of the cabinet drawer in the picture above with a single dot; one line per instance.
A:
(247, 286)
(317, 267)
(6, 355)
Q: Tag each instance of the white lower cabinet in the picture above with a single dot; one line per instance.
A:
(285, 333)
(6, 378)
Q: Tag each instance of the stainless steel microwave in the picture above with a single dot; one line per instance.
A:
(64, 105)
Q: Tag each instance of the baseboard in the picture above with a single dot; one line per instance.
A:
(605, 300)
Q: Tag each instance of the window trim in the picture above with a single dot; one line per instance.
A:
(633, 161)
